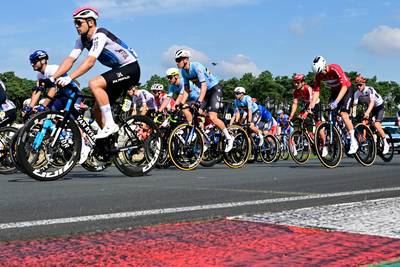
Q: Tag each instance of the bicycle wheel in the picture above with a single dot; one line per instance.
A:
(366, 153)
(327, 135)
(269, 149)
(302, 147)
(7, 165)
(45, 151)
(186, 147)
(285, 148)
(212, 155)
(139, 146)
(379, 143)
(240, 152)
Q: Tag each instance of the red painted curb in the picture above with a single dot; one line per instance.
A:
(211, 243)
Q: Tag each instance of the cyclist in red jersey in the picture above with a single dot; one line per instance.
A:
(341, 97)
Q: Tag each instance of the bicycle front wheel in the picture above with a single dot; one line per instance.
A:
(7, 135)
(327, 137)
(301, 149)
(241, 150)
(366, 152)
(269, 149)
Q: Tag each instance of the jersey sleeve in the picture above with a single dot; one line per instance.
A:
(343, 79)
(201, 73)
(76, 52)
(99, 42)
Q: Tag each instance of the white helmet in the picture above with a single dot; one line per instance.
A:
(85, 13)
(279, 112)
(319, 64)
(26, 102)
(240, 90)
(182, 53)
(172, 72)
(157, 87)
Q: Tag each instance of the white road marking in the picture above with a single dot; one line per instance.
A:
(133, 214)
(379, 217)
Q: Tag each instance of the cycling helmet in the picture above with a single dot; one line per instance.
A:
(38, 55)
(157, 87)
(298, 77)
(240, 90)
(319, 64)
(360, 79)
(85, 13)
(172, 72)
(279, 112)
(26, 102)
(182, 53)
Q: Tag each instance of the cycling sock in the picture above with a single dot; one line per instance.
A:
(108, 117)
(353, 138)
(226, 133)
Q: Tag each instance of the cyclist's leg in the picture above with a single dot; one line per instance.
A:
(344, 107)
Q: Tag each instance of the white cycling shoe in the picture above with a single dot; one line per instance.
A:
(386, 148)
(261, 142)
(107, 131)
(85, 150)
(229, 145)
(324, 152)
(353, 147)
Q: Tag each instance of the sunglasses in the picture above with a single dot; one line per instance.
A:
(359, 84)
(178, 60)
(169, 77)
(78, 22)
(238, 93)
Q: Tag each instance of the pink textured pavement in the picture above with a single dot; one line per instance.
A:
(209, 243)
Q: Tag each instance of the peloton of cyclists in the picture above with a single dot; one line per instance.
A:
(210, 90)
(243, 104)
(367, 95)
(333, 76)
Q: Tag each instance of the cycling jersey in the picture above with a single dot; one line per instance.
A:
(7, 104)
(283, 122)
(334, 79)
(107, 48)
(245, 104)
(305, 94)
(160, 99)
(266, 116)
(198, 74)
(143, 96)
(366, 96)
(48, 72)
(179, 89)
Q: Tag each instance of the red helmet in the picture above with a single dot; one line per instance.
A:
(298, 77)
(360, 79)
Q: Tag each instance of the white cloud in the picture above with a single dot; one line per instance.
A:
(382, 40)
(236, 67)
(300, 25)
(118, 8)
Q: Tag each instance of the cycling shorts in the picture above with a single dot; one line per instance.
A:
(213, 98)
(347, 101)
(378, 112)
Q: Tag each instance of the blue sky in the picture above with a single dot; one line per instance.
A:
(241, 35)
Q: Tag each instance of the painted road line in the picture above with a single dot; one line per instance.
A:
(373, 217)
(133, 214)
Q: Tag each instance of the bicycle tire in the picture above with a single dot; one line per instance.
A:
(337, 157)
(240, 152)
(303, 142)
(269, 149)
(366, 142)
(7, 164)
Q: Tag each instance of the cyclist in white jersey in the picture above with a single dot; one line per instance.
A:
(111, 52)
(368, 96)
(8, 112)
(142, 100)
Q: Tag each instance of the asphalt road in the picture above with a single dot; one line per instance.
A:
(85, 202)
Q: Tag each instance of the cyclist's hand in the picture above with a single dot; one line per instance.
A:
(64, 81)
(366, 115)
(303, 115)
(196, 105)
(26, 110)
(333, 105)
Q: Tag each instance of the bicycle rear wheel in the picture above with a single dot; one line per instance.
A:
(327, 135)
(366, 152)
(302, 147)
(7, 164)
(240, 152)
(269, 150)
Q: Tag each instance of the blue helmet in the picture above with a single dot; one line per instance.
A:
(38, 55)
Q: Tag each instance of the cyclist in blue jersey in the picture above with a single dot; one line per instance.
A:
(210, 90)
(245, 104)
(176, 86)
(111, 52)
(267, 123)
(283, 122)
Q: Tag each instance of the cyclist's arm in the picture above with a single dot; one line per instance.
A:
(134, 112)
(84, 67)
(314, 100)
(294, 108)
(203, 90)
(34, 98)
(370, 106)
(182, 98)
(341, 94)
(164, 104)
(50, 93)
(144, 109)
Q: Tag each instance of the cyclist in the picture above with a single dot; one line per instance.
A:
(111, 52)
(267, 123)
(243, 103)
(142, 100)
(8, 112)
(176, 86)
(210, 90)
(283, 123)
(398, 115)
(39, 61)
(376, 108)
(341, 96)
(160, 96)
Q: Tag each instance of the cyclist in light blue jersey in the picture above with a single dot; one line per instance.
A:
(210, 90)
(244, 103)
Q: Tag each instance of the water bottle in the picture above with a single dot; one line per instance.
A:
(126, 106)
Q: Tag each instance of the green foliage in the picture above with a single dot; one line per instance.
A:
(156, 79)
